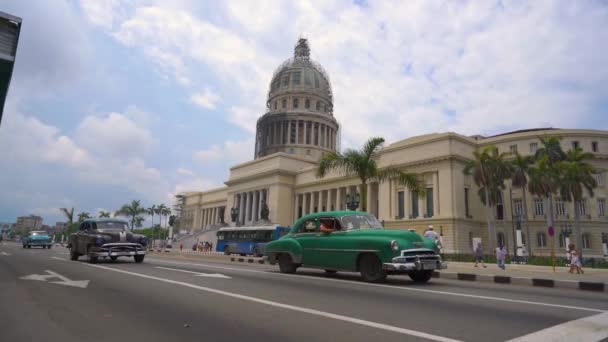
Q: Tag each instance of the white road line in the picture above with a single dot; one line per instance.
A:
(396, 287)
(287, 306)
(591, 328)
(198, 274)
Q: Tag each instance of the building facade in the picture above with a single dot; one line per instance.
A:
(31, 222)
(10, 27)
(282, 175)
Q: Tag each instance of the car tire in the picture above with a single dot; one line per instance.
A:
(256, 253)
(370, 268)
(226, 251)
(113, 258)
(29, 246)
(139, 258)
(73, 255)
(421, 276)
(92, 259)
(286, 265)
(49, 246)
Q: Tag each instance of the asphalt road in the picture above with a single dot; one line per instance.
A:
(46, 297)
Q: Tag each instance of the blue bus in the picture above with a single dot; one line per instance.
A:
(247, 240)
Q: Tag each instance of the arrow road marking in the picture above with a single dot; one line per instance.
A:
(4, 253)
(64, 281)
(198, 274)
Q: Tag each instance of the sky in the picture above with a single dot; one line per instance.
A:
(120, 100)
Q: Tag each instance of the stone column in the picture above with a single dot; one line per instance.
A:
(305, 131)
(339, 199)
(326, 136)
(328, 200)
(242, 208)
(297, 211)
(320, 201)
(256, 201)
(260, 198)
(369, 199)
(289, 131)
(297, 131)
(307, 202)
(281, 132)
(249, 204)
(215, 214)
(436, 193)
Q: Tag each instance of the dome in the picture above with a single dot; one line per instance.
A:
(302, 75)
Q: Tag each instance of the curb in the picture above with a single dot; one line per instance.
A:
(538, 282)
(248, 260)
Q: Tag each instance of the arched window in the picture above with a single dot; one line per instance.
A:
(284, 103)
(500, 239)
(541, 240)
(586, 240)
(307, 104)
(318, 105)
(296, 103)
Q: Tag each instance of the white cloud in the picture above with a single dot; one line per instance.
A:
(114, 134)
(185, 172)
(206, 99)
(230, 151)
(103, 12)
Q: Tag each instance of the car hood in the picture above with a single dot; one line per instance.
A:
(406, 238)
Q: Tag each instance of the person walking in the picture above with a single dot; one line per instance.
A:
(575, 260)
(430, 233)
(479, 255)
(501, 254)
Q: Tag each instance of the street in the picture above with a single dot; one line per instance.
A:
(46, 297)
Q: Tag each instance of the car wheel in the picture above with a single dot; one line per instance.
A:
(330, 272)
(28, 246)
(49, 246)
(226, 251)
(256, 252)
(24, 246)
(421, 276)
(286, 265)
(370, 268)
(73, 255)
(138, 258)
(113, 258)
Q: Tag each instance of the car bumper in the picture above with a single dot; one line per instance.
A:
(414, 266)
(38, 243)
(119, 249)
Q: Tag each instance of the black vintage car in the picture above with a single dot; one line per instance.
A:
(108, 238)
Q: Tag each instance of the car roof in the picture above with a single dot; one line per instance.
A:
(335, 213)
(38, 231)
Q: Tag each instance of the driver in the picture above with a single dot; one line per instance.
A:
(327, 226)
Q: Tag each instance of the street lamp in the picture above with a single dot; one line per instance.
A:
(353, 200)
(234, 214)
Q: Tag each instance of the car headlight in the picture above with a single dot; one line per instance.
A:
(395, 245)
(143, 240)
(100, 241)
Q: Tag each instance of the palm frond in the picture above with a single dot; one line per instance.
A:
(372, 146)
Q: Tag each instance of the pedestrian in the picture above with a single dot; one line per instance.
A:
(181, 247)
(501, 254)
(575, 260)
(479, 255)
(430, 233)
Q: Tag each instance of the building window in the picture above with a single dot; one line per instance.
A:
(318, 105)
(513, 149)
(307, 79)
(575, 145)
(560, 208)
(601, 207)
(586, 240)
(286, 80)
(296, 77)
(533, 147)
(466, 202)
(296, 103)
(599, 179)
(500, 239)
(517, 207)
(538, 207)
(581, 207)
(429, 202)
(401, 203)
(284, 103)
(275, 104)
(307, 104)
(594, 147)
(541, 240)
(414, 204)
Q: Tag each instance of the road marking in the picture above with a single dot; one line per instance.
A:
(591, 328)
(64, 280)
(394, 287)
(4, 253)
(286, 306)
(198, 274)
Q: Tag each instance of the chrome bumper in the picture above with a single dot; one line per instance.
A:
(414, 266)
(120, 249)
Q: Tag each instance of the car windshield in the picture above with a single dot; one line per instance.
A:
(359, 221)
(112, 225)
(38, 233)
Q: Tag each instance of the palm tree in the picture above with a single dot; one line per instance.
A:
(83, 216)
(133, 210)
(360, 163)
(520, 166)
(69, 214)
(103, 214)
(151, 211)
(166, 212)
(577, 175)
(489, 170)
(160, 211)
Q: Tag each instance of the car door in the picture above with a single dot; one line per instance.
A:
(334, 250)
(308, 237)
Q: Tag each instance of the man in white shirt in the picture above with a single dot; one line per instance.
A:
(430, 233)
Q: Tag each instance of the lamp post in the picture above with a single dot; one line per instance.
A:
(234, 214)
(353, 200)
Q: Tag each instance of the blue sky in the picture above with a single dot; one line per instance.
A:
(141, 99)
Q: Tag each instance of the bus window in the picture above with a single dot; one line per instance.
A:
(220, 236)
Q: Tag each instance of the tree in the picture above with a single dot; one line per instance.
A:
(489, 170)
(166, 212)
(520, 166)
(151, 211)
(104, 214)
(160, 211)
(577, 175)
(69, 214)
(360, 163)
(83, 216)
(133, 210)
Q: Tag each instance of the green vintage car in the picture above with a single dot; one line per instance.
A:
(358, 243)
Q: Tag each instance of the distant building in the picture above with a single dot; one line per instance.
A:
(59, 227)
(31, 222)
(10, 26)
(4, 227)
